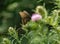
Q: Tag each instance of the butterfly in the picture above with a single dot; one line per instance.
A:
(25, 16)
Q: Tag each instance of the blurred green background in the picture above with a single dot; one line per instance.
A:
(8, 14)
(9, 10)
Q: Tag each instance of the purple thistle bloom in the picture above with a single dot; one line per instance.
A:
(36, 17)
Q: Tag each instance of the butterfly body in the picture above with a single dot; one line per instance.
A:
(25, 16)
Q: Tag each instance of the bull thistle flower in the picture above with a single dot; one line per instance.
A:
(36, 17)
(6, 41)
(41, 10)
(13, 32)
